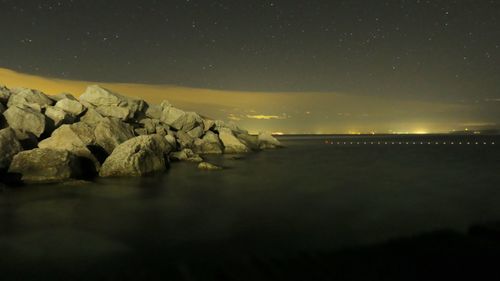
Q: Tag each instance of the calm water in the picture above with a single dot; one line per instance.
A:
(310, 197)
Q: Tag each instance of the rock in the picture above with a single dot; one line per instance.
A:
(92, 117)
(75, 139)
(71, 106)
(4, 94)
(154, 111)
(26, 120)
(231, 143)
(9, 146)
(137, 157)
(141, 132)
(185, 140)
(111, 132)
(173, 117)
(267, 141)
(122, 113)
(192, 120)
(28, 140)
(150, 125)
(112, 104)
(208, 124)
(208, 166)
(2, 108)
(196, 132)
(85, 132)
(172, 141)
(43, 165)
(186, 155)
(30, 98)
(209, 144)
(250, 141)
(62, 96)
(59, 116)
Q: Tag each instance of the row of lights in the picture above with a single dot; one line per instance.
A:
(408, 143)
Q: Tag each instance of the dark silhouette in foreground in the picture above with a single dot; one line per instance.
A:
(440, 255)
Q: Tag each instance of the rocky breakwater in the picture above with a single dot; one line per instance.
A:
(57, 138)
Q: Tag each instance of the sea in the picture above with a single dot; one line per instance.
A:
(308, 211)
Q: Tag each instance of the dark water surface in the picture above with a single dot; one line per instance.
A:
(310, 197)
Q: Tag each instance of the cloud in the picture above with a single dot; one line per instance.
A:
(267, 117)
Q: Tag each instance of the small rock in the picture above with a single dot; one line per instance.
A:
(186, 155)
(208, 166)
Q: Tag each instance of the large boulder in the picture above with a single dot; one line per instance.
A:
(139, 156)
(209, 144)
(26, 120)
(59, 116)
(112, 104)
(73, 107)
(267, 141)
(43, 165)
(112, 132)
(77, 139)
(231, 143)
(9, 146)
(30, 98)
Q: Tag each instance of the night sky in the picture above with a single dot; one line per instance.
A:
(411, 50)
